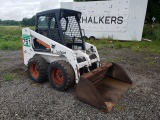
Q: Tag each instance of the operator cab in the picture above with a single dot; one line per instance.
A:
(62, 26)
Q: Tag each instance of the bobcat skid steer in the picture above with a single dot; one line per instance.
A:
(57, 51)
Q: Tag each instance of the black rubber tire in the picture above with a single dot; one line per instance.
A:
(92, 38)
(67, 73)
(40, 66)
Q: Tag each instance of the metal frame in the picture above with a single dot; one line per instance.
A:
(58, 14)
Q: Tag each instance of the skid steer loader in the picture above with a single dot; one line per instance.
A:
(57, 51)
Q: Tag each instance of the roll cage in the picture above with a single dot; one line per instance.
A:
(62, 26)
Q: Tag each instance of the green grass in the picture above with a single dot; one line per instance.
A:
(150, 61)
(151, 32)
(10, 45)
(153, 46)
(145, 46)
(8, 76)
(10, 37)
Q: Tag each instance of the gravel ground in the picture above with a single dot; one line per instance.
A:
(22, 98)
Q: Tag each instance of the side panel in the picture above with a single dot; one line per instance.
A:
(27, 49)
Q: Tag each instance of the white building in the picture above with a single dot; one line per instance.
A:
(119, 19)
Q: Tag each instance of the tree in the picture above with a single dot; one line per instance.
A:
(0, 21)
(9, 22)
(32, 21)
(25, 22)
(153, 10)
(28, 21)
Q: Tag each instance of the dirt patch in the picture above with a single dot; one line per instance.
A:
(22, 98)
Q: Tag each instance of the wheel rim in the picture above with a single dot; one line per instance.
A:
(57, 76)
(34, 70)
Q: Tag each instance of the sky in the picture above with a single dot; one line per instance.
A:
(18, 9)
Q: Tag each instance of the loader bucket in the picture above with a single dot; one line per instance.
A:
(103, 87)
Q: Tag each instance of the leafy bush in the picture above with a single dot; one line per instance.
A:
(152, 32)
